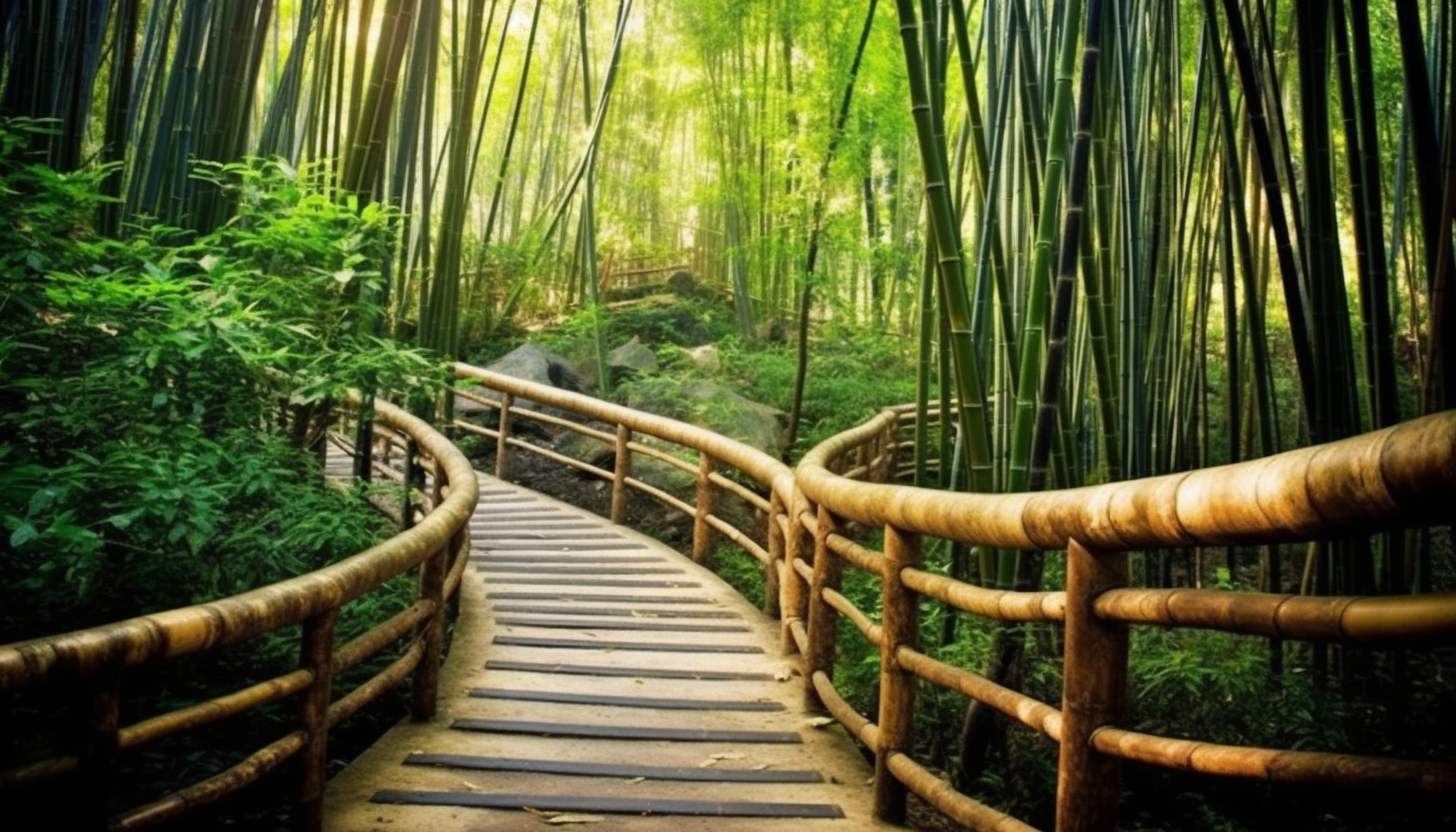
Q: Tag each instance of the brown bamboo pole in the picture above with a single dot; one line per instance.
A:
(772, 588)
(1094, 690)
(316, 654)
(1278, 766)
(794, 608)
(899, 621)
(411, 471)
(426, 685)
(1399, 476)
(98, 753)
(823, 620)
(621, 470)
(503, 436)
(702, 529)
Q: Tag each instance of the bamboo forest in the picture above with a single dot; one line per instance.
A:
(250, 247)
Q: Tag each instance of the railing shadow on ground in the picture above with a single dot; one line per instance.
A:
(1399, 477)
(94, 666)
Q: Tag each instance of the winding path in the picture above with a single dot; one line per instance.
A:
(598, 674)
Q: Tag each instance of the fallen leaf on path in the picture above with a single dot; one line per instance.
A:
(574, 818)
(818, 721)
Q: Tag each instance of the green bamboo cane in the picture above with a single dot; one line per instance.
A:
(1033, 334)
(816, 227)
(1294, 294)
(969, 388)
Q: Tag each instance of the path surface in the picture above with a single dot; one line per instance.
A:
(596, 672)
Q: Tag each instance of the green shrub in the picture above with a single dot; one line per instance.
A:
(141, 461)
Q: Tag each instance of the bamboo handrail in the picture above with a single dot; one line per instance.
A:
(1400, 476)
(437, 544)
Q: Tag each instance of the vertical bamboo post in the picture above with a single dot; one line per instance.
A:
(438, 483)
(796, 544)
(702, 532)
(620, 472)
(316, 655)
(772, 588)
(1094, 692)
(411, 463)
(888, 449)
(426, 683)
(502, 440)
(98, 755)
(897, 687)
(364, 441)
(823, 619)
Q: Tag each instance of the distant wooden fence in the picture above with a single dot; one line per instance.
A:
(93, 666)
(1399, 477)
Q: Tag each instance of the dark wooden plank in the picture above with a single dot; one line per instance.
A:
(612, 805)
(563, 559)
(624, 732)
(534, 534)
(559, 547)
(599, 644)
(502, 527)
(498, 517)
(713, 774)
(645, 625)
(625, 584)
(654, 702)
(627, 672)
(604, 570)
(596, 597)
(617, 612)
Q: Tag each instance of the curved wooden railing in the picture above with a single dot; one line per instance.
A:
(97, 662)
(720, 467)
(1399, 477)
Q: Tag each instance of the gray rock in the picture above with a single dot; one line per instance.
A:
(533, 363)
(633, 356)
(529, 362)
(718, 408)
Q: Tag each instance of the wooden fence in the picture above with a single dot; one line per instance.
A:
(793, 524)
(1399, 477)
(94, 666)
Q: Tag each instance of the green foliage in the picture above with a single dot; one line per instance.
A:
(143, 467)
(852, 374)
(741, 570)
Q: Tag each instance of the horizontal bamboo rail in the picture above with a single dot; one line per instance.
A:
(101, 659)
(1401, 476)
(762, 486)
(802, 534)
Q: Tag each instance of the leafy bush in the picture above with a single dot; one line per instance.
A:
(142, 465)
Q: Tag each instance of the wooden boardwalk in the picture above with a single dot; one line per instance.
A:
(598, 676)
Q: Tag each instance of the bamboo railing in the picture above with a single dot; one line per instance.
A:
(1399, 477)
(719, 467)
(95, 665)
